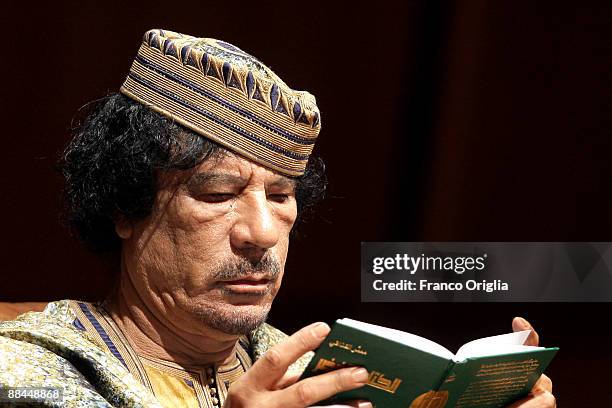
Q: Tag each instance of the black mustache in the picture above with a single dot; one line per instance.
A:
(241, 268)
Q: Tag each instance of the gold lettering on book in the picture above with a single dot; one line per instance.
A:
(348, 347)
(375, 379)
(524, 367)
(326, 365)
(378, 380)
(491, 392)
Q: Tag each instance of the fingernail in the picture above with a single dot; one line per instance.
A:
(524, 323)
(364, 404)
(360, 375)
(321, 330)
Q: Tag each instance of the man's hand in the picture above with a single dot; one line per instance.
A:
(541, 394)
(265, 383)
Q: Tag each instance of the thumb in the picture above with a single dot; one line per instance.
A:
(520, 324)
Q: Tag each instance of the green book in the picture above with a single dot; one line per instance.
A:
(408, 371)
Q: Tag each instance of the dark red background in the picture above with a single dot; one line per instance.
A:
(469, 120)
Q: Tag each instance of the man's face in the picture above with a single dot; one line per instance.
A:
(213, 250)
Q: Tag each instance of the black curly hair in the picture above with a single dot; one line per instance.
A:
(112, 164)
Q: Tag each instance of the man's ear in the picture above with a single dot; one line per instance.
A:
(123, 226)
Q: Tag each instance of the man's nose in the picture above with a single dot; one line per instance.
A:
(257, 227)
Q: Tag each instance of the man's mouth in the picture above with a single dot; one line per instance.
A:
(250, 285)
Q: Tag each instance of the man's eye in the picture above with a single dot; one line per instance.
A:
(279, 198)
(217, 197)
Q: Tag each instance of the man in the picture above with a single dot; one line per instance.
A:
(196, 173)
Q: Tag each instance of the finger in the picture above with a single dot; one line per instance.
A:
(270, 368)
(542, 400)
(519, 324)
(348, 404)
(287, 380)
(544, 383)
(311, 390)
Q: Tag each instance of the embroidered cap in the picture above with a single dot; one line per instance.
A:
(226, 95)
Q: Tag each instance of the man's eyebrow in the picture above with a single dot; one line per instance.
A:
(211, 177)
(283, 182)
(224, 178)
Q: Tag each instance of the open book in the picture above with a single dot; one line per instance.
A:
(409, 371)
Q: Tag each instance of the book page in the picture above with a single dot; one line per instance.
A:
(495, 345)
(401, 337)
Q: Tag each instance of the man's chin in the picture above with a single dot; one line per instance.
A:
(238, 319)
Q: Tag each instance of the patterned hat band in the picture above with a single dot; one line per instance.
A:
(226, 95)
